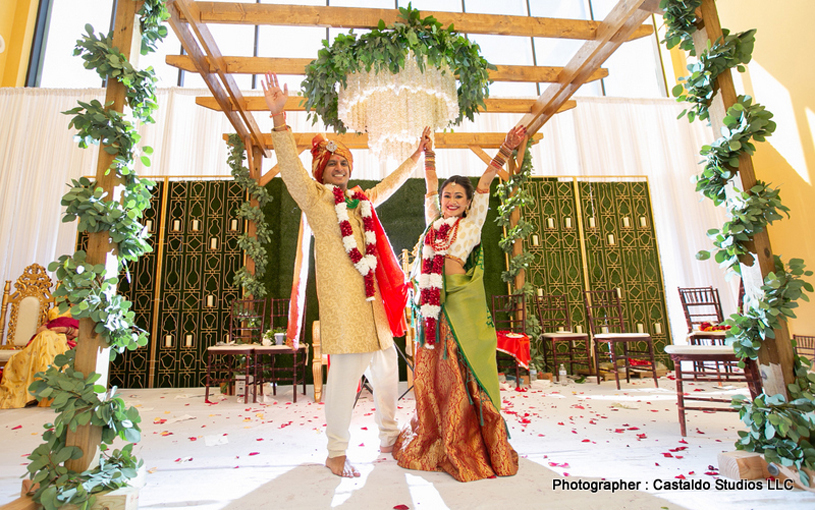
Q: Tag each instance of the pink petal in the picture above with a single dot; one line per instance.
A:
(17, 427)
(254, 453)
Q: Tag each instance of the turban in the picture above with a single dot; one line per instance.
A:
(321, 150)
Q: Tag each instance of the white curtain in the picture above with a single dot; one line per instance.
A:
(601, 137)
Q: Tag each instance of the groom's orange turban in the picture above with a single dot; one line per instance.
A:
(321, 150)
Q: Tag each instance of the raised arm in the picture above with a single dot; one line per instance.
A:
(395, 179)
(299, 183)
(431, 202)
(514, 138)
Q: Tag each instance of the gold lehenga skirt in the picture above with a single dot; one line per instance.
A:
(456, 427)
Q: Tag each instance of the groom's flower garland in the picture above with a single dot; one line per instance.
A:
(365, 264)
(440, 236)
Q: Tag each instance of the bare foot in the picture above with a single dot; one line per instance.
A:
(386, 449)
(341, 467)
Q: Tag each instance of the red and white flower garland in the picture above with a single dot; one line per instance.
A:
(440, 236)
(365, 264)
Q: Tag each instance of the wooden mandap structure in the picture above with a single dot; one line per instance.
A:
(190, 20)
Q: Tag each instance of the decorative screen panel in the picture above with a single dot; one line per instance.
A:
(598, 235)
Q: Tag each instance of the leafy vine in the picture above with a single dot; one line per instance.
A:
(698, 88)
(88, 291)
(514, 195)
(384, 49)
(680, 20)
(781, 428)
(252, 245)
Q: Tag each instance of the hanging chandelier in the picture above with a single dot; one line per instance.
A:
(394, 108)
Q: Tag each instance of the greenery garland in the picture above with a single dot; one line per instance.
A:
(782, 429)
(743, 123)
(252, 245)
(680, 21)
(86, 289)
(513, 195)
(384, 49)
(698, 88)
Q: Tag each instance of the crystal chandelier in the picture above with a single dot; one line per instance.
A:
(394, 108)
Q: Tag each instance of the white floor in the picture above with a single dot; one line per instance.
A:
(270, 455)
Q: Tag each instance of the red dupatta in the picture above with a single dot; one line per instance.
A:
(389, 276)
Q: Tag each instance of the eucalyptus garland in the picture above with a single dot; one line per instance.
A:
(698, 88)
(514, 195)
(384, 49)
(743, 123)
(779, 427)
(86, 288)
(252, 245)
(750, 212)
(680, 22)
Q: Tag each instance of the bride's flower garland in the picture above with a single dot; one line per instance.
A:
(365, 264)
(440, 236)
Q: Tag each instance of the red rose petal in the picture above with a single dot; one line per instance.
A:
(17, 427)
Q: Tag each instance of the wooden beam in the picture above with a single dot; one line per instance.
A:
(190, 11)
(615, 29)
(443, 140)
(775, 356)
(352, 17)
(182, 31)
(295, 104)
(92, 351)
(297, 66)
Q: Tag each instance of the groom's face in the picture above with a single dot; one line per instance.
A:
(337, 171)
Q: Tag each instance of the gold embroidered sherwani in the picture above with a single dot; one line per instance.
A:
(348, 323)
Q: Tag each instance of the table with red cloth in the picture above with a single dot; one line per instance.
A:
(516, 345)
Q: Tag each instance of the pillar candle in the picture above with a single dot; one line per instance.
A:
(640, 328)
(626, 224)
(176, 225)
(591, 221)
(658, 328)
(611, 239)
(604, 329)
(188, 341)
(643, 221)
(149, 225)
(560, 329)
(213, 243)
(550, 222)
(568, 223)
(210, 300)
(535, 240)
(540, 292)
(168, 341)
(233, 225)
(195, 224)
(619, 292)
(578, 329)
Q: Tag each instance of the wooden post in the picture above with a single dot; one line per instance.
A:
(514, 217)
(92, 353)
(775, 355)
(255, 160)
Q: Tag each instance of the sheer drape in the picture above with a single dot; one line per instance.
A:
(601, 137)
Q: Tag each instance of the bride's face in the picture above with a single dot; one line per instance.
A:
(454, 201)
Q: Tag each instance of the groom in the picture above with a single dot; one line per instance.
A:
(360, 286)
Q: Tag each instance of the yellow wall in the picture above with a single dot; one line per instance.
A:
(17, 20)
(781, 77)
